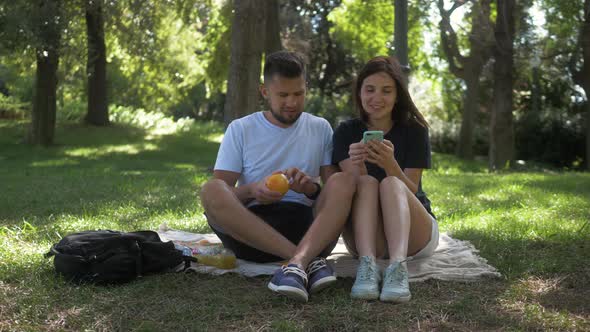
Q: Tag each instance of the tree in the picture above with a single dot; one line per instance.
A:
(582, 76)
(468, 68)
(309, 28)
(364, 28)
(273, 28)
(47, 29)
(247, 44)
(36, 25)
(501, 127)
(400, 31)
(568, 45)
(98, 112)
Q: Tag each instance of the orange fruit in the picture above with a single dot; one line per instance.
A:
(278, 182)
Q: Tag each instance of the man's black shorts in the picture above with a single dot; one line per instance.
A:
(290, 219)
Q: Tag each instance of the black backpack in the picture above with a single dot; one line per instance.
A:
(106, 256)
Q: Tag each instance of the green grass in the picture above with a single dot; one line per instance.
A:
(531, 224)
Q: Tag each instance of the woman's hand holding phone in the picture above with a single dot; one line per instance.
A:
(381, 153)
(357, 153)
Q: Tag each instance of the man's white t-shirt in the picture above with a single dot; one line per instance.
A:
(255, 148)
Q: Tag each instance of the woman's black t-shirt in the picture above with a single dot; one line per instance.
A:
(411, 149)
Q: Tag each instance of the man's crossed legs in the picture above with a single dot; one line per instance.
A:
(260, 236)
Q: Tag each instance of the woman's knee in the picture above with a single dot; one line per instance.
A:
(392, 184)
(367, 181)
(342, 182)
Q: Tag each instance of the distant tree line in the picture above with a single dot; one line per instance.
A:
(504, 86)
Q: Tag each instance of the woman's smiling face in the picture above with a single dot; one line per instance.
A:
(378, 95)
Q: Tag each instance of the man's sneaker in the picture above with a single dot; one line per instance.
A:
(320, 274)
(395, 283)
(290, 280)
(366, 285)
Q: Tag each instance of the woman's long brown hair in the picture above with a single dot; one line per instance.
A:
(404, 110)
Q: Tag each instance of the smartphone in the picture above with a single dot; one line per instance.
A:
(370, 135)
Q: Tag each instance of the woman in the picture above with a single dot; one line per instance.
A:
(391, 216)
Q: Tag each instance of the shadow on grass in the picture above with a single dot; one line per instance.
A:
(481, 193)
(446, 163)
(114, 171)
(226, 303)
(578, 184)
(557, 263)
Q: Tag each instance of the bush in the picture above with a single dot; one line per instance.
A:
(12, 108)
(552, 140)
(72, 110)
(444, 137)
(148, 120)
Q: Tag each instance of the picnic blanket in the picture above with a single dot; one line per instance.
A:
(453, 260)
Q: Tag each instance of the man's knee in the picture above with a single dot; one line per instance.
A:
(212, 193)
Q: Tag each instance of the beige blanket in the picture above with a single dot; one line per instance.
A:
(453, 260)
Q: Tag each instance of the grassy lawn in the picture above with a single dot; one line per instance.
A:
(531, 224)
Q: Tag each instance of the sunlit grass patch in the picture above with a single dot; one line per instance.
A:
(530, 225)
(55, 162)
(216, 138)
(548, 303)
(130, 149)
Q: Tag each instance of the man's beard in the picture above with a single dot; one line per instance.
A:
(287, 121)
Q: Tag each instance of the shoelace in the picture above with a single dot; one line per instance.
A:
(297, 271)
(368, 271)
(316, 265)
(397, 276)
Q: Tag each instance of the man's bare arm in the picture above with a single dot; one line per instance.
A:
(244, 193)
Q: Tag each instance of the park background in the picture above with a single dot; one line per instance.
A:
(111, 113)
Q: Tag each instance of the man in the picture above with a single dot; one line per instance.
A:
(258, 224)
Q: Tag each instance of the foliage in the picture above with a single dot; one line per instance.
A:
(531, 224)
(365, 28)
(214, 47)
(156, 122)
(159, 72)
(172, 57)
(565, 147)
(563, 21)
(560, 102)
(334, 108)
(12, 105)
(330, 66)
(151, 55)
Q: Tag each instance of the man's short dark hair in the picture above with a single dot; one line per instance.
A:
(284, 63)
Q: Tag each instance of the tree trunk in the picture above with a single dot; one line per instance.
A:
(98, 112)
(273, 28)
(467, 68)
(585, 33)
(501, 151)
(42, 128)
(470, 108)
(400, 32)
(247, 43)
(587, 130)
